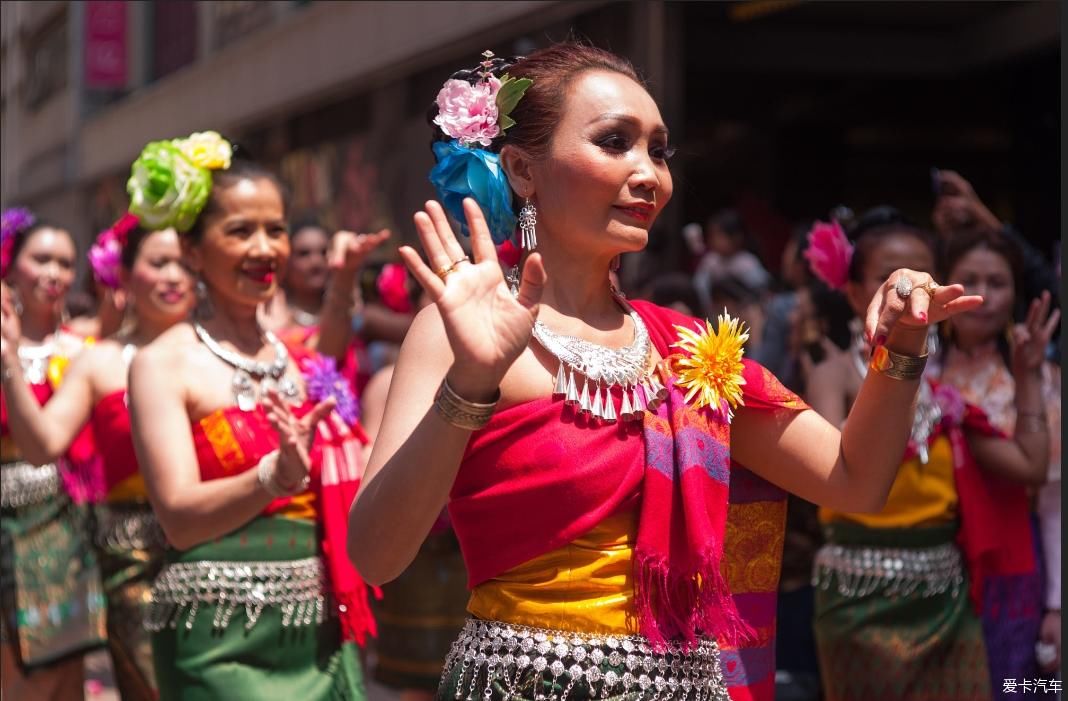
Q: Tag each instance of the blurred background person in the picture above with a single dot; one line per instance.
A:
(249, 450)
(983, 358)
(147, 266)
(728, 255)
(50, 593)
(939, 498)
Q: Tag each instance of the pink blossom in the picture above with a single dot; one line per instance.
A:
(468, 112)
(829, 253)
(950, 402)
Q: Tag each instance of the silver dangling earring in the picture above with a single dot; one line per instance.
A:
(528, 217)
(16, 302)
(204, 309)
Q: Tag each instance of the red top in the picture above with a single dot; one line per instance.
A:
(110, 421)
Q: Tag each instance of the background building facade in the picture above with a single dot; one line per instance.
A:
(783, 109)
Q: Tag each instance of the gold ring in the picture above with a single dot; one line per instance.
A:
(929, 287)
(444, 272)
(456, 262)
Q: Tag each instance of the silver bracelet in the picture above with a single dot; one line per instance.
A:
(267, 471)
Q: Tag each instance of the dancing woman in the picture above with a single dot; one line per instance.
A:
(147, 267)
(912, 630)
(50, 597)
(248, 449)
(587, 472)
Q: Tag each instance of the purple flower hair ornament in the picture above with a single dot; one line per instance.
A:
(13, 222)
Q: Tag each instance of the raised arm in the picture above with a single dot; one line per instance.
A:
(472, 334)
(852, 470)
(348, 253)
(1024, 457)
(44, 433)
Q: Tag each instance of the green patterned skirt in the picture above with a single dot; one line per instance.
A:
(420, 614)
(244, 617)
(130, 544)
(893, 619)
(51, 597)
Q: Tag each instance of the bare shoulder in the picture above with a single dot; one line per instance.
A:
(171, 352)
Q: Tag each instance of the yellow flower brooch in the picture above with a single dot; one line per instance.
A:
(712, 368)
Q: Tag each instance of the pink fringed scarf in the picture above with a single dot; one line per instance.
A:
(679, 589)
(336, 460)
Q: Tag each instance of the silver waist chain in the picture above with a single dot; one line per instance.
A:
(526, 660)
(296, 587)
(860, 570)
(23, 484)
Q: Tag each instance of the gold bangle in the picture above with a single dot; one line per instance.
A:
(457, 411)
(896, 365)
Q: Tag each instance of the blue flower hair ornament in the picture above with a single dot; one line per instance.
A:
(474, 172)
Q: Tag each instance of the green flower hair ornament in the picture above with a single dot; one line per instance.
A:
(171, 180)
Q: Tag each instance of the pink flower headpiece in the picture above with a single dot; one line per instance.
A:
(13, 222)
(105, 255)
(477, 113)
(829, 253)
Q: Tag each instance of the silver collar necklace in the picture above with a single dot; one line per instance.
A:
(251, 377)
(34, 361)
(602, 369)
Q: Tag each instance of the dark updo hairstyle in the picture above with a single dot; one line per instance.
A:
(240, 169)
(866, 233)
(26, 234)
(552, 71)
(134, 239)
(876, 225)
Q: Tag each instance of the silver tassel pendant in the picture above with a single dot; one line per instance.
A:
(626, 413)
(572, 396)
(609, 409)
(596, 410)
(561, 382)
(528, 219)
(584, 398)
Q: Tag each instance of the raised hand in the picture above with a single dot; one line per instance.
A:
(486, 326)
(349, 250)
(1031, 338)
(913, 300)
(295, 436)
(10, 326)
(958, 206)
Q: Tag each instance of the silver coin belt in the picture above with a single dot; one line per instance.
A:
(296, 587)
(525, 660)
(862, 570)
(128, 528)
(23, 484)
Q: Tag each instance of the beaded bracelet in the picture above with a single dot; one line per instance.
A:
(267, 473)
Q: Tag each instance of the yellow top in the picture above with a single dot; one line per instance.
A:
(585, 586)
(921, 494)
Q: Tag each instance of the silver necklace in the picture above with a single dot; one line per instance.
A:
(251, 377)
(602, 369)
(34, 361)
(928, 413)
(303, 318)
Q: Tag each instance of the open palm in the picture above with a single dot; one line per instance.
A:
(486, 326)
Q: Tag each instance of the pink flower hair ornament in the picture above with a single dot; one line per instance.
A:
(392, 284)
(13, 222)
(829, 254)
(105, 255)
